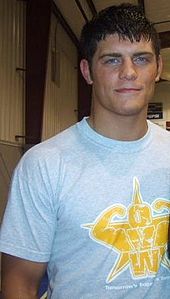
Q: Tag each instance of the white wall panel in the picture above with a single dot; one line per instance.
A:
(162, 92)
(12, 27)
(60, 106)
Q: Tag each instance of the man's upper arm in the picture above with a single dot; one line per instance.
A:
(21, 278)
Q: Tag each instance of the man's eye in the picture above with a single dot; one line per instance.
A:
(141, 60)
(113, 60)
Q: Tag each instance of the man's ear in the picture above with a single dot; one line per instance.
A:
(159, 68)
(85, 70)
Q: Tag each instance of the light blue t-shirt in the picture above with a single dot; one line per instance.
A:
(95, 209)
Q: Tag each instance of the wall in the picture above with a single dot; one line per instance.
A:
(12, 24)
(12, 32)
(162, 94)
(60, 106)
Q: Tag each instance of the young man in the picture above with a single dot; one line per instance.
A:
(91, 204)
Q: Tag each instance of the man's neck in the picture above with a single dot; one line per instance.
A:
(122, 128)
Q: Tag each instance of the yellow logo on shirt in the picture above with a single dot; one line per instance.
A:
(140, 240)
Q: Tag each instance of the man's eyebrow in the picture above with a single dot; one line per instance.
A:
(116, 54)
(110, 55)
(143, 53)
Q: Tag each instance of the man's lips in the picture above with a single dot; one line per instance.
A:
(127, 90)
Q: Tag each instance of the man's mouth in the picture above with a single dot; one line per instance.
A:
(127, 90)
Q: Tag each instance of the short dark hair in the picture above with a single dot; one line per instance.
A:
(126, 20)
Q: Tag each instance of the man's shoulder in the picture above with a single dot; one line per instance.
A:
(53, 150)
(159, 130)
(57, 142)
(161, 137)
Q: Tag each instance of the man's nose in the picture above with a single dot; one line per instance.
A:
(128, 70)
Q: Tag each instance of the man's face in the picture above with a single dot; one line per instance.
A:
(123, 76)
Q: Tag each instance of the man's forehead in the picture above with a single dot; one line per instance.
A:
(114, 44)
